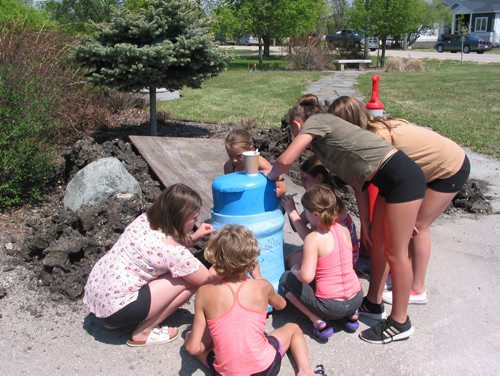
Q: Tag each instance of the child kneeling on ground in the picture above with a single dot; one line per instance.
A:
(327, 261)
(235, 310)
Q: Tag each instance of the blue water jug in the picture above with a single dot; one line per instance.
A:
(250, 201)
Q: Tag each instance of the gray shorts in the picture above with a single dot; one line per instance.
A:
(327, 309)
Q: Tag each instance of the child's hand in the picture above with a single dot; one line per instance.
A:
(288, 203)
(205, 229)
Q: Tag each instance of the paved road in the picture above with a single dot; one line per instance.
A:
(484, 58)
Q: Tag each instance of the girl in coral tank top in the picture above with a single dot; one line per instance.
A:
(235, 311)
(324, 286)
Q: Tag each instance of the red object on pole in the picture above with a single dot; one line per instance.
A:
(375, 106)
(372, 196)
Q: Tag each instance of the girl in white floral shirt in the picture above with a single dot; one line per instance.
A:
(149, 272)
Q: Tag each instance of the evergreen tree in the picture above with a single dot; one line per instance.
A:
(166, 44)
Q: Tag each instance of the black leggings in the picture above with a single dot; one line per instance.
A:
(400, 179)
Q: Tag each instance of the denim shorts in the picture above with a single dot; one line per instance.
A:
(327, 309)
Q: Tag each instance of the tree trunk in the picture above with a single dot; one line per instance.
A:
(267, 44)
(152, 111)
(365, 50)
(382, 58)
(261, 60)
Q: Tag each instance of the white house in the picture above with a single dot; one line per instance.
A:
(481, 17)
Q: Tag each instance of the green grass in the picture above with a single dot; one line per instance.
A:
(239, 94)
(458, 101)
(245, 60)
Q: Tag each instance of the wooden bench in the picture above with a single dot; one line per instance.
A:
(339, 64)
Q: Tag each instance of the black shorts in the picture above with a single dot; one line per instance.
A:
(453, 183)
(133, 313)
(272, 370)
(400, 179)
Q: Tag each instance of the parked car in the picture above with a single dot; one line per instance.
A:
(373, 43)
(247, 40)
(453, 43)
(349, 38)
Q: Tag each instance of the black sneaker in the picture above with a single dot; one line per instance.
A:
(387, 331)
(372, 310)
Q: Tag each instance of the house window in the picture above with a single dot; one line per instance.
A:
(481, 24)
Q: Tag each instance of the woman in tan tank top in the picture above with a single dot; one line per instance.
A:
(445, 166)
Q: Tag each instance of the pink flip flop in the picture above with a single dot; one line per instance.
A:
(158, 336)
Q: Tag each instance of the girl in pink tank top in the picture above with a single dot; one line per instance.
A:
(235, 311)
(324, 286)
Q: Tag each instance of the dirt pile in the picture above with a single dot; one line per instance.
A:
(61, 246)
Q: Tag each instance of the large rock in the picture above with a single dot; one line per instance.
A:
(97, 182)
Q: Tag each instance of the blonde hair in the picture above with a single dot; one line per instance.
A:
(355, 112)
(239, 138)
(322, 200)
(172, 208)
(307, 106)
(233, 252)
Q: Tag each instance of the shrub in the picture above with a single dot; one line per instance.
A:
(414, 65)
(396, 64)
(44, 105)
(15, 14)
(26, 153)
(348, 53)
(312, 56)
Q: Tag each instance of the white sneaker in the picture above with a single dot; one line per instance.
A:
(415, 298)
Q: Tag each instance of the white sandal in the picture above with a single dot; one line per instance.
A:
(158, 336)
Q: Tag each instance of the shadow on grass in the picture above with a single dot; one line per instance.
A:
(249, 62)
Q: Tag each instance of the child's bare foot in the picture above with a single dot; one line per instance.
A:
(319, 324)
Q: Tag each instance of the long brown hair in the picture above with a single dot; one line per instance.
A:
(307, 106)
(172, 208)
(322, 200)
(355, 112)
(313, 166)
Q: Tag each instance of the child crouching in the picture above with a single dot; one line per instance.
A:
(235, 310)
(324, 286)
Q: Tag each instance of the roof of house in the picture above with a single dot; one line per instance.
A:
(475, 6)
